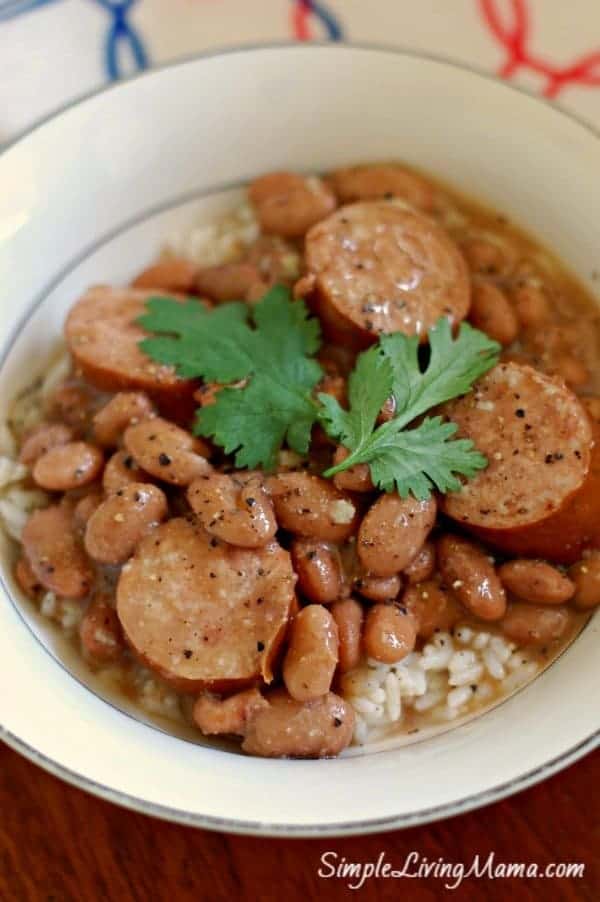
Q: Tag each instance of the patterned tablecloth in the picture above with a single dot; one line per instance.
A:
(54, 50)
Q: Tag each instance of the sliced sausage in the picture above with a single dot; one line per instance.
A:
(432, 607)
(288, 204)
(169, 274)
(310, 506)
(227, 281)
(492, 313)
(378, 588)
(234, 508)
(55, 553)
(320, 728)
(121, 470)
(585, 575)
(383, 180)
(377, 267)
(348, 616)
(389, 634)
(204, 614)
(319, 570)
(422, 566)
(468, 571)
(103, 337)
(534, 498)
(44, 438)
(119, 523)
(167, 452)
(229, 716)
(536, 581)
(100, 633)
(68, 466)
(393, 532)
(532, 624)
(312, 653)
(123, 410)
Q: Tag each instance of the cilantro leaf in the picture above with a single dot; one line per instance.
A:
(269, 347)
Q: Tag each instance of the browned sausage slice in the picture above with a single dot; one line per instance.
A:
(204, 614)
(103, 338)
(378, 267)
(538, 441)
(55, 554)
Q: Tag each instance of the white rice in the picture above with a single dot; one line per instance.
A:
(454, 675)
(222, 241)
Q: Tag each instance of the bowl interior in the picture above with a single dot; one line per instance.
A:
(91, 196)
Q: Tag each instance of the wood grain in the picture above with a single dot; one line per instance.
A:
(58, 844)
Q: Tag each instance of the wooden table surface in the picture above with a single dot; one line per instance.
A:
(58, 844)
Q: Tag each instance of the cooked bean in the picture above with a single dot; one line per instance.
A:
(319, 728)
(27, 579)
(85, 507)
(100, 632)
(487, 258)
(531, 306)
(124, 409)
(356, 479)
(491, 312)
(432, 607)
(230, 716)
(288, 205)
(422, 567)
(227, 281)
(313, 507)
(72, 404)
(42, 439)
(467, 570)
(312, 654)
(318, 568)
(585, 575)
(393, 532)
(378, 588)
(532, 624)
(69, 466)
(536, 581)
(592, 405)
(120, 523)
(167, 452)
(55, 553)
(121, 470)
(170, 274)
(234, 508)
(277, 260)
(572, 370)
(389, 634)
(384, 180)
(348, 616)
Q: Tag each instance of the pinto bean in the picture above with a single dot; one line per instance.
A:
(319, 728)
(214, 716)
(100, 633)
(27, 579)
(227, 281)
(393, 532)
(312, 507)
(467, 570)
(532, 624)
(492, 313)
(69, 466)
(120, 523)
(487, 258)
(169, 274)
(121, 470)
(572, 370)
(389, 633)
(312, 654)
(384, 180)
(85, 507)
(585, 575)
(422, 567)
(44, 438)
(123, 410)
(288, 205)
(432, 607)
(378, 588)
(348, 616)
(531, 306)
(277, 260)
(536, 581)
(167, 452)
(73, 404)
(55, 554)
(235, 509)
(356, 479)
(319, 570)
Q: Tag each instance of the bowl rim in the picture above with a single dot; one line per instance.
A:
(236, 826)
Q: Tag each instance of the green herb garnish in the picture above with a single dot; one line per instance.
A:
(271, 348)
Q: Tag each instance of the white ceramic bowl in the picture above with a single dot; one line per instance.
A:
(88, 196)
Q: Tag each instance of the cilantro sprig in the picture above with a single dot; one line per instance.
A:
(270, 350)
